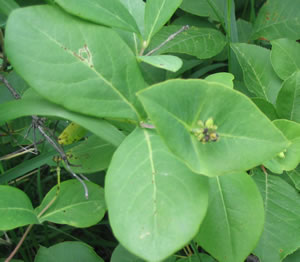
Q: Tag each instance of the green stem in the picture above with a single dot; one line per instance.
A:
(252, 12)
(195, 249)
(228, 33)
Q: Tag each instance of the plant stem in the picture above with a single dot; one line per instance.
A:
(228, 33)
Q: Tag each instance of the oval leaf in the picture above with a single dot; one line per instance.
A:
(106, 12)
(290, 158)
(200, 42)
(168, 62)
(285, 57)
(259, 75)
(88, 75)
(34, 104)
(15, 208)
(155, 203)
(278, 19)
(157, 13)
(222, 78)
(282, 211)
(71, 207)
(67, 251)
(234, 219)
(176, 106)
(288, 100)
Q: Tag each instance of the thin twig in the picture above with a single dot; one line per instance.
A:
(147, 125)
(171, 37)
(38, 123)
(9, 87)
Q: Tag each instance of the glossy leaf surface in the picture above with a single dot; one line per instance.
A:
(200, 42)
(15, 208)
(241, 145)
(289, 158)
(278, 19)
(168, 62)
(71, 207)
(259, 75)
(157, 13)
(106, 12)
(67, 251)
(155, 204)
(234, 219)
(285, 57)
(288, 100)
(33, 104)
(88, 75)
(282, 218)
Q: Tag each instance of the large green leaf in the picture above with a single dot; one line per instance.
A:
(259, 75)
(289, 159)
(266, 107)
(33, 104)
(155, 204)
(203, 8)
(200, 42)
(106, 12)
(295, 257)
(157, 13)
(15, 208)
(73, 63)
(282, 218)
(176, 106)
(91, 155)
(285, 57)
(194, 258)
(67, 251)
(288, 100)
(71, 207)
(234, 219)
(278, 19)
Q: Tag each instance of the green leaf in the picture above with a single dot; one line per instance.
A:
(15, 208)
(295, 257)
(244, 30)
(295, 177)
(167, 62)
(72, 133)
(226, 79)
(93, 154)
(155, 203)
(176, 106)
(288, 100)
(71, 207)
(6, 7)
(282, 218)
(203, 8)
(234, 219)
(13, 260)
(157, 13)
(266, 107)
(67, 251)
(106, 12)
(194, 258)
(278, 19)
(88, 75)
(33, 104)
(259, 75)
(290, 158)
(200, 42)
(121, 254)
(137, 9)
(285, 57)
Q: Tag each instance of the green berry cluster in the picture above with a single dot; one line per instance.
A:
(206, 132)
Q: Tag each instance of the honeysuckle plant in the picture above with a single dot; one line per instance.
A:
(189, 115)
